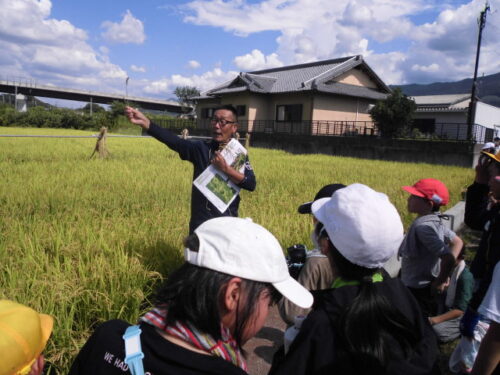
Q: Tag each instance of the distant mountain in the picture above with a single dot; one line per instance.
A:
(488, 89)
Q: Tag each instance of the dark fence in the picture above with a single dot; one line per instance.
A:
(442, 131)
(341, 128)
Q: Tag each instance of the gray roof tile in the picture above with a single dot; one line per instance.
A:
(439, 100)
(303, 77)
(351, 90)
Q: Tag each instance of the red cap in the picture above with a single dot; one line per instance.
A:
(431, 189)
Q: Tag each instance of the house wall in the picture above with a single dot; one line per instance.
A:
(261, 112)
(451, 125)
(205, 103)
(254, 105)
(340, 108)
(356, 77)
(487, 115)
(444, 117)
(258, 108)
(290, 99)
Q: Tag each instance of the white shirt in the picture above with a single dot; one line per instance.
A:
(490, 307)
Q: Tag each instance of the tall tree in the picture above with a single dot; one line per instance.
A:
(393, 115)
(185, 94)
(96, 108)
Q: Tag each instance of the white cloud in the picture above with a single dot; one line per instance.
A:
(138, 69)
(445, 49)
(26, 21)
(104, 50)
(257, 61)
(51, 51)
(386, 65)
(426, 68)
(202, 82)
(311, 30)
(193, 64)
(129, 30)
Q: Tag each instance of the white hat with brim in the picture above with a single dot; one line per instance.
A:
(362, 224)
(242, 248)
(488, 145)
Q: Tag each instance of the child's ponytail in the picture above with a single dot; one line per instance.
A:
(370, 325)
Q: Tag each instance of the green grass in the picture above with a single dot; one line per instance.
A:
(88, 240)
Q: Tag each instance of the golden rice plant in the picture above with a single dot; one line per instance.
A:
(89, 240)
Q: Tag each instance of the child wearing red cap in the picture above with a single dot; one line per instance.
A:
(429, 249)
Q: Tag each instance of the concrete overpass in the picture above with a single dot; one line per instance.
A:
(33, 89)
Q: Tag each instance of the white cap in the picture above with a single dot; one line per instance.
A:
(241, 248)
(362, 224)
(488, 145)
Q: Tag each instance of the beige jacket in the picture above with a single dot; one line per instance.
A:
(315, 275)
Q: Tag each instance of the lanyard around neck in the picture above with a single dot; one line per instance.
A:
(340, 282)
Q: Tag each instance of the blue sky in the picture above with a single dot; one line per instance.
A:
(162, 44)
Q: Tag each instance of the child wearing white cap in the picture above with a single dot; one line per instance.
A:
(209, 307)
(367, 322)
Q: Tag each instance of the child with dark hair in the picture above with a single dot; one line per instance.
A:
(455, 301)
(207, 310)
(367, 322)
(316, 274)
(429, 249)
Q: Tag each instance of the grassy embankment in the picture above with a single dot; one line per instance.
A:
(88, 240)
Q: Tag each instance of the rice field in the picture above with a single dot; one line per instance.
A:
(88, 240)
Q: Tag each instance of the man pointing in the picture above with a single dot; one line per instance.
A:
(201, 154)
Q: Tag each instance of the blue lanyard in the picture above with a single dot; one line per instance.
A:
(133, 350)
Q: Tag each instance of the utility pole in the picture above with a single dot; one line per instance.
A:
(473, 99)
(126, 90)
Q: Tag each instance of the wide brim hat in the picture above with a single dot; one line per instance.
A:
(23, 335)
(494, 157)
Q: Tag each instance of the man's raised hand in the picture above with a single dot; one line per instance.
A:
(137, 117)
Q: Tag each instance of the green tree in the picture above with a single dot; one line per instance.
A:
(394, 115)
(185, 94)
(96, 108)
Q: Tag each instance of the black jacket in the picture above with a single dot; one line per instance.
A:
(317, 348)
(104, 353)
(478, 217)
(200, 153)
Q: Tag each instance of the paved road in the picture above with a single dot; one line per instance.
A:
(261, 348)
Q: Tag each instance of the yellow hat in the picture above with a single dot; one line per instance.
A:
(495, 157)
(23, 336)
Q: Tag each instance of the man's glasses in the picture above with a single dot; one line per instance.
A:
(221, 121)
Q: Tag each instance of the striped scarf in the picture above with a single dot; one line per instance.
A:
(226, 348)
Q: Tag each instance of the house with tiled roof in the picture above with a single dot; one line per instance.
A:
(446, 116)
(323, 97)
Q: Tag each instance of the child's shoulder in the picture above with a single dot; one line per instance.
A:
(466, 275)
(432, 220)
